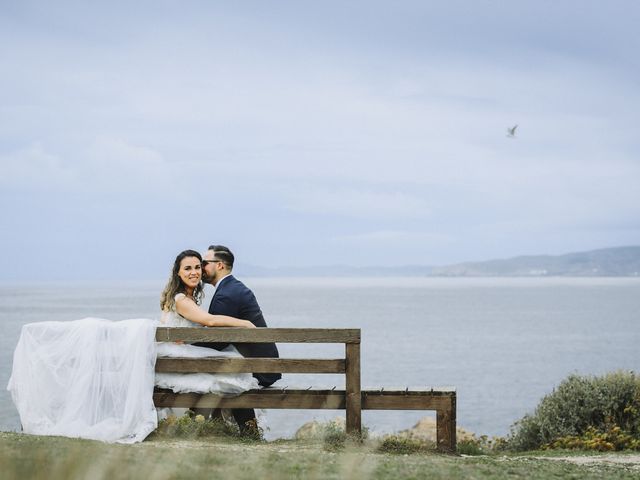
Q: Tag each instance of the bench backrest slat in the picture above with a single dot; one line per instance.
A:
(250, 365)
(258, 335)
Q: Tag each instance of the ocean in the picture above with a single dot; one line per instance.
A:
(502, 342)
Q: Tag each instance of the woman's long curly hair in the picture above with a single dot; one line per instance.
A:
(175, 284)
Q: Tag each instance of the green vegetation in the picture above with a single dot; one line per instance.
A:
(592, 439)
(194, 426)
(405, 445)
(586, 412)
(335, 438)
(27, 456)
(584, 415)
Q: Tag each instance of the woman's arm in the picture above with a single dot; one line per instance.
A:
(189, 310)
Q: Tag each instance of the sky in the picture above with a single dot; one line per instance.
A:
(297, 133)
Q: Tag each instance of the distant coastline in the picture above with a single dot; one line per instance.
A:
(605, 262)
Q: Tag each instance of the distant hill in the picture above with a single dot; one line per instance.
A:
(606, 262)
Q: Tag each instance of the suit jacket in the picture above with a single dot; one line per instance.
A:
(234, 299)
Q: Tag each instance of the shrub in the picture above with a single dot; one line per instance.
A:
(471, 446)
(592, 439)
(191, 426)
(482, 445)
(578, 404)
(401, 444)
(335, 437)
(408, 444)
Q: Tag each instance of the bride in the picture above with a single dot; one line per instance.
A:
(182, 295)
(94, 378)
(180, 302)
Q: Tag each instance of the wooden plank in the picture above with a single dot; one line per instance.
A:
(353, 395)
(410, 391)
(276, 396)
(299, 399)
(446, 427)
(252, 365)
(258, 335)
(405, 402)
(319, 391)
(441, 401)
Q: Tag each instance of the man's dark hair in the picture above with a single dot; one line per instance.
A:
(222, 253)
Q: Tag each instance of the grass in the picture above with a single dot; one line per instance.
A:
(34, 457)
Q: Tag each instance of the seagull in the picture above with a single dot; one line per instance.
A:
(511, 132)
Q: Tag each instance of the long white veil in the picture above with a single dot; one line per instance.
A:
(89, 378)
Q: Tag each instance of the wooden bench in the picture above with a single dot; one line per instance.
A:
(353, 398)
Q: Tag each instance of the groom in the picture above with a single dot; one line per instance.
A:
(234, 299)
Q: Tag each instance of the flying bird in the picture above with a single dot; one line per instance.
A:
(511, 132)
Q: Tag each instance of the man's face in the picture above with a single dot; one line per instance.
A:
(209, 270)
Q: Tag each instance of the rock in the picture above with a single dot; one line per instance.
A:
(425, 429)
(316, 430)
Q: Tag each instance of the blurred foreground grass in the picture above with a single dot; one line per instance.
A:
(33, 457)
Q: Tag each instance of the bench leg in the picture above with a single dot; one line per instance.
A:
(446, 427)
(353, 391)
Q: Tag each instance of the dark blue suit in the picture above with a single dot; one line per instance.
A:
(234, 299)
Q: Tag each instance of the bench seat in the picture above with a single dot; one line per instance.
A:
(440, 399)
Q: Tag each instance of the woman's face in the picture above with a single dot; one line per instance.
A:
(190, 271)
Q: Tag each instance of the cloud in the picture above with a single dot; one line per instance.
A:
(357, 203)
(400, 239)
(115, 164)
(107, 164)
(33, 167)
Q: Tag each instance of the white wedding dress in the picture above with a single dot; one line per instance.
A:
(94, 378)
(222, 383)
